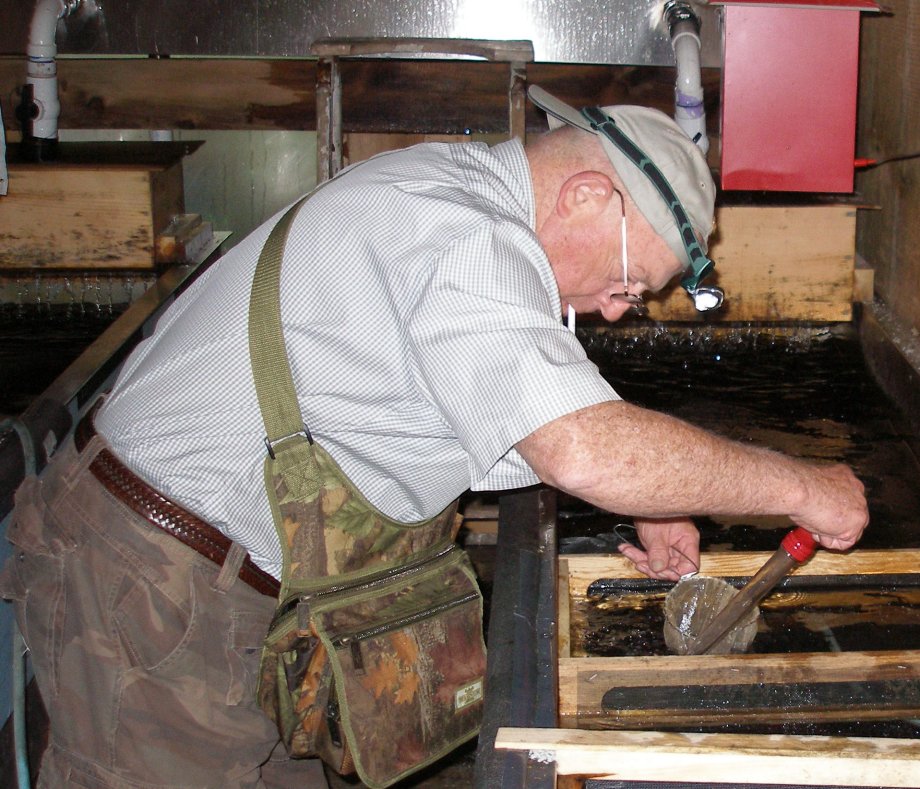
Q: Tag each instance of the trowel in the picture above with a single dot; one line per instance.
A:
(798, 546)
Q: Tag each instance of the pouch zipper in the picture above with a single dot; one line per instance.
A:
(403, 621)
(292, 602)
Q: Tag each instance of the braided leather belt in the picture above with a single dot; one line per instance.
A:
(164, 514)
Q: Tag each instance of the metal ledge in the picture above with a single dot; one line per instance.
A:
(521, 675)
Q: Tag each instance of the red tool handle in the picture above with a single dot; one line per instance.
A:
(799, 544)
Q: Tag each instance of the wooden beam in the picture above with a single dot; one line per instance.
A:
(379, 96)
(583, 683)
(710, 759)
(583, 570)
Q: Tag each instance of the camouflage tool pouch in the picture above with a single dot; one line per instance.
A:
(375, 659)
(386, 673)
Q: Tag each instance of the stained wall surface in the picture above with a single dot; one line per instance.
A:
(889, 125)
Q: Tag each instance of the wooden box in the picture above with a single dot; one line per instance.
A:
(680, 740)
(99, 206)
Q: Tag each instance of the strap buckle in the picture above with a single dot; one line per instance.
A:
(270, 445)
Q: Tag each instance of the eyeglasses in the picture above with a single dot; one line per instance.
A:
(632, 299)
(704, 298)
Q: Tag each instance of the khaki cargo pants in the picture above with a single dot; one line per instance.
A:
(146, 653)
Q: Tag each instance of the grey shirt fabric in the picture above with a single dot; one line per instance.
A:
(423, 326)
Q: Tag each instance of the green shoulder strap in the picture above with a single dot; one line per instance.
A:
(271, 370)
(291, 461)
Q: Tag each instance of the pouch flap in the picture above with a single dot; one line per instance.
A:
(409, 662)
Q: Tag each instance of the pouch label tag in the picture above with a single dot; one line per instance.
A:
(468, 694)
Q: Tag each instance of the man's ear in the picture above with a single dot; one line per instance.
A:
(585, 193)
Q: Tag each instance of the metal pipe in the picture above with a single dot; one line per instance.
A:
(23, 780)
(684, 29)
(19, 649)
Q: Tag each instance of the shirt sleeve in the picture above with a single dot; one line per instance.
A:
(492, 351)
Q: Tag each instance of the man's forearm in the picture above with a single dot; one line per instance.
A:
(631, 460)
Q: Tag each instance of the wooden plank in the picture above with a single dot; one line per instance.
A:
(888, 124)
(564, 613)
(86, 216)
(389, 96)
(583, 570)
(717, 758)
(777, 263)
(757, 703)
(584, 681)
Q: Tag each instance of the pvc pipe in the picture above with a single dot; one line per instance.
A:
(42, 69)
(683, 25)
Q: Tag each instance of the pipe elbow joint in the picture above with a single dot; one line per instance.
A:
(43, 28)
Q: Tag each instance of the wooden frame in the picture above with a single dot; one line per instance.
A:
(714, 758)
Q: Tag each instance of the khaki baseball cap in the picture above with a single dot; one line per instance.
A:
(677, 157)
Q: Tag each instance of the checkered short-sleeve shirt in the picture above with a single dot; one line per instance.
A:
(423, 326)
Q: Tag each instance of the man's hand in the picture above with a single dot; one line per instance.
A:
(672, 548)
(835, 509)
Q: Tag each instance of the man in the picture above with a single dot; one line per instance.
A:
(421, 297)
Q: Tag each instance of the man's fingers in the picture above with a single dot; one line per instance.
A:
(658, 559)
(631, 552)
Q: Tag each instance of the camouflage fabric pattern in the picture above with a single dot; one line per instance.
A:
(329, 529)
(411, 656)
(353, 569)
(296, 690)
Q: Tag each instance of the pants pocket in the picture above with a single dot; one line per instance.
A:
(31, 529)
(150, 625)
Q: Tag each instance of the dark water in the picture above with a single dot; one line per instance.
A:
(807, 393)
(38, 342)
